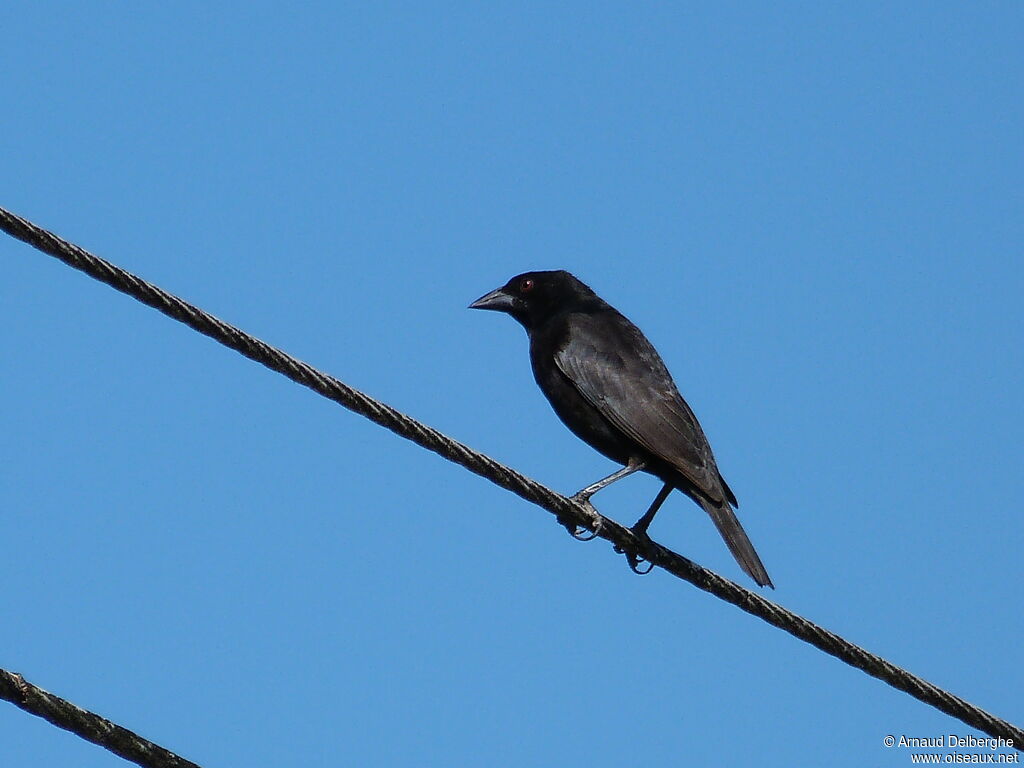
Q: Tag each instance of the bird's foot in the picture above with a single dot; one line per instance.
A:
(579, 532)
(635, 561)
(582, 497)
(633, 558)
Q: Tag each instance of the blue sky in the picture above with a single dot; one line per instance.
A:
(812, 209)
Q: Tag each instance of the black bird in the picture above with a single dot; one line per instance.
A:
(607, 384)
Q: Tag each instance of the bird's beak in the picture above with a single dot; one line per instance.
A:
(497, 300)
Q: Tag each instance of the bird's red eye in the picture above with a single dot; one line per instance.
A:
(526, 286)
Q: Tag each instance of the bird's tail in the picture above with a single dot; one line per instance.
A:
(736, 538)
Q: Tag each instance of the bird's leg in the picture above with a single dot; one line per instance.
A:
(583, 496)
(634, 465)
(640, 527)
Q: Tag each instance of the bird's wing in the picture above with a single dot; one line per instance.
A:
(620, 373)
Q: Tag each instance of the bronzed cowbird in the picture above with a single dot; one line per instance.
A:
(608, 384)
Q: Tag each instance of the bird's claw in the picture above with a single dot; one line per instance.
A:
(633, 558)
(577, 531)
(635, 561)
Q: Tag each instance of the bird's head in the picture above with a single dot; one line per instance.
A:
(533, 297)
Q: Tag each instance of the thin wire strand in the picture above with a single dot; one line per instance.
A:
(569, 513)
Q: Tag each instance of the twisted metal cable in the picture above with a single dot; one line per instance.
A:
(570, 513)
(87, 725)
